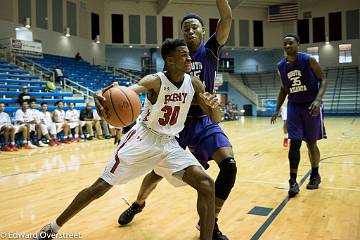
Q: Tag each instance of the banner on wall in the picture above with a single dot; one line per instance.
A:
(26, 47)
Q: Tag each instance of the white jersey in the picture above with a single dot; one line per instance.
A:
(36, 114)
(167, 116)
(72, 115)
(60, 115)
(4, 118)
(46, 118)
(21, 116)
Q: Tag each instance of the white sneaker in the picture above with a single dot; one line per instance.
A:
(31, 145)
(41, 144)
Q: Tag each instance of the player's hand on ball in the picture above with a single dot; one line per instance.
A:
(98, 99)
(210, 99)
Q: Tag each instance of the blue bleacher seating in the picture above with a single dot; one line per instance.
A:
(40, 100)
(81, 72)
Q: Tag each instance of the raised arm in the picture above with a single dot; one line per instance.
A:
(207, 101)
(224, 25)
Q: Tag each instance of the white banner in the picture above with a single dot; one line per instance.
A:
(26, 47)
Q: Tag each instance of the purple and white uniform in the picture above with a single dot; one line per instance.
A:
(302, 87)
(200, 134)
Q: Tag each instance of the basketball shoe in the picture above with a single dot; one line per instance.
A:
(6, 148)
(285, 142)
(314, 182)
(294, 189)
(128, 215)
(46, 233)
(14, 148)
(217, 234)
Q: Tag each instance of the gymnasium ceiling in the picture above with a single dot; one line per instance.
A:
(233, 3)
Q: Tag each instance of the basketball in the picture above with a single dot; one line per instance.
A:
(121, 106)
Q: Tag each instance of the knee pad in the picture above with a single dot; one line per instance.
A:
(294, 154)
(226, 178)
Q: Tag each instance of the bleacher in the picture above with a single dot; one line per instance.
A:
(81, 72)
(341, 96)
(13, 79)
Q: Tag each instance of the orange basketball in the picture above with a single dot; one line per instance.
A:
(121, 106)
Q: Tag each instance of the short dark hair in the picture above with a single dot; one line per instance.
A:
(43, 103)
(169, 46)
(58, 102)
(32, 100)
(294, 36)
(192, 15)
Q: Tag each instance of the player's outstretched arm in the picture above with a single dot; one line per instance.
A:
(224, 25)
(147, 83)
(207, 102)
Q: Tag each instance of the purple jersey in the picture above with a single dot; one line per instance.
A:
(298, 79)
(200, 134)
(204, 63)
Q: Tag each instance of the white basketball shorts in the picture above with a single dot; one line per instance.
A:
(142, 150)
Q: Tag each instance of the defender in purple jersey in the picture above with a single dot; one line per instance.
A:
(205, 139)
(304, 83)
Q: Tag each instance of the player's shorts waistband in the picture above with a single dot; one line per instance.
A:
(197, 116)
(157, 133)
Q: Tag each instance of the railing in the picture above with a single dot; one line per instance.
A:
(335, 88)
(86, 92)
(132, 77)
(36, 68)
(340, 88)
(357, 107)
(241, 87)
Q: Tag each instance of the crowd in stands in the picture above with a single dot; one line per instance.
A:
(230, 111)
(32, 128)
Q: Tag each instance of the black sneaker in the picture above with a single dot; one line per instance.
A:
(293, 189)
(45, 233)
(217, 234)
(314, 182)
(128, 215)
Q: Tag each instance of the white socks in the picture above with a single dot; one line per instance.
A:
(54, 227)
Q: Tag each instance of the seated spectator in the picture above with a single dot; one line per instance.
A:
(78, 57)
(59, 75)
(47, 125)
(87, 118)
(72, 117)
(36, 115)
(60, 122)
(24, 96)
(104, 125)
(24, 118)
(7, 129)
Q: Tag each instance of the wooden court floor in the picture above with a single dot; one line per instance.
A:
(36, 185)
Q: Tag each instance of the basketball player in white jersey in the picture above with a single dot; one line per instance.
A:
(38, 126)
(72, 117)
(48, 126)
(151, 143)
(60, 122)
